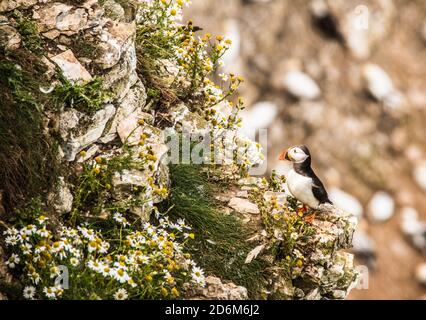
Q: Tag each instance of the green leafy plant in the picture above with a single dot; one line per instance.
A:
(31, 38)
(28, 213)
(89, 97)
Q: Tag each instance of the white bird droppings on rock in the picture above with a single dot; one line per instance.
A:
(381, 207)
(409, 223)
(413, 228)
(421, 273)
(419, 175)
(232, 32)
(301, 85)
(346, 202)
(260, 116)
(378, 82)
(363, 244)
(413, 153)
(381, 87)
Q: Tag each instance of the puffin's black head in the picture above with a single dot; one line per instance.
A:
(296, 154)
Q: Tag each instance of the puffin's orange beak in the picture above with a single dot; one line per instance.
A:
(284, 155)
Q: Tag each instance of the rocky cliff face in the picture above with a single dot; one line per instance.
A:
(107, 102)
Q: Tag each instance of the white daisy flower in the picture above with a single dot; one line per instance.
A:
(182, 223)
(29, 229)
(59, 290)
(66, 245)
(43, 232)
(294, 236)
(89, 234)
(34, 277)
(26, 249)
(36, 258)
(132, 283)
(224, 77)
(121, 294)
(176, 227)
(12, 240)
(198, 276)
(22, 238)
(74, 262)
(39, 249)
(94, 265)
(13, 261)
(11, 232)
(92, 246)
(69, 232)
(42, 219)
(29, 292)
(120, 219)
(50, 292)
(121, 275)
(104, 247)
(143, 259)
(54, 272)
(168, 277)
(149, 228)
(76, 253)
(106, 271)
(187, 263)
(57, 246)
(188, 235)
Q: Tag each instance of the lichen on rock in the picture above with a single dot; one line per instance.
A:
(216, 290)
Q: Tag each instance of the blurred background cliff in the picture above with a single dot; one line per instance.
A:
(348, 79)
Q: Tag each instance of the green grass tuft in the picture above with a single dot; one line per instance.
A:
(221, 245)
(27, 156)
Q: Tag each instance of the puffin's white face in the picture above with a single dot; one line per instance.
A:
(296, 155)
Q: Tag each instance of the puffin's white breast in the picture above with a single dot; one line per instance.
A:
(301, 188)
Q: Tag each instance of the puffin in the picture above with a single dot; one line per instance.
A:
(302, 181)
